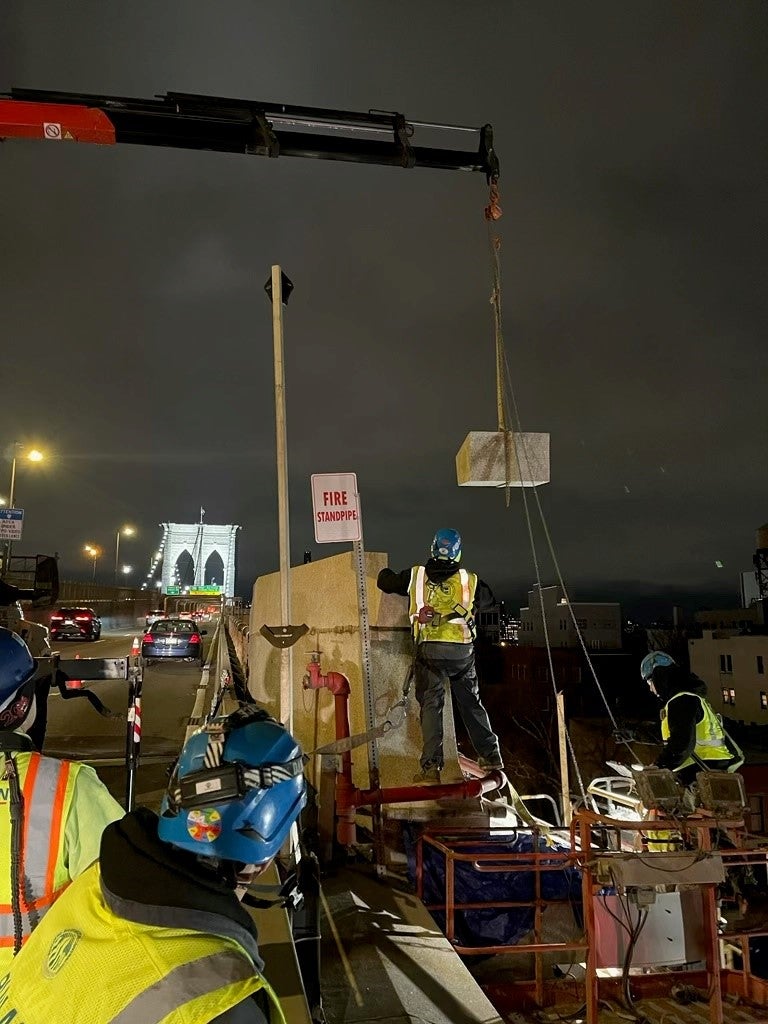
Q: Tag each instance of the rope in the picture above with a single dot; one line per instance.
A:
(502, 364)
(561, 581)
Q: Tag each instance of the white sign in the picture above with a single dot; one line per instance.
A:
(52, 130)
(336, 507)
(11, 523)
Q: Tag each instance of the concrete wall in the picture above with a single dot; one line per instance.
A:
(324, 596)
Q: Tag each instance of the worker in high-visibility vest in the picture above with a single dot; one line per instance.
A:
(52, 812)
(693, 733)
(155, 930)
(442, 599)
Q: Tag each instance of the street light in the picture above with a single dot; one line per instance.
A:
(126, 569)
(126, 531)
(33, 455)
(93, 551)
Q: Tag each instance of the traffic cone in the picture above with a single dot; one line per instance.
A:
(135, 647)
(75, 684)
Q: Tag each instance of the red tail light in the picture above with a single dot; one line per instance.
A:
(147, 639)
(57, 618)
(195, 638)
(82, 618)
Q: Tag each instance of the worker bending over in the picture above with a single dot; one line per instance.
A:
(52, 812)
(693, 734)
(442, 600)
(155, 931)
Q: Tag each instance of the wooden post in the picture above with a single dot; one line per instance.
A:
(286, 654)
(565, 788)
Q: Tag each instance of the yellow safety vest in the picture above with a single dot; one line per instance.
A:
(452, 600)
(710, 736)
(47, 787)
(84, 963)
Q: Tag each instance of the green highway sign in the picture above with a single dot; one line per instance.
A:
(173, 590)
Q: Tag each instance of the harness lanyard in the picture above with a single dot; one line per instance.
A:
(17, 832)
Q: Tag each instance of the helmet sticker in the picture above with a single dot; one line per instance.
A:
(204, 824)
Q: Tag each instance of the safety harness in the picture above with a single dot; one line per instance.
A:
(424, 593)
(13, 742)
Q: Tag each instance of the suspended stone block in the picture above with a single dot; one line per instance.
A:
(482, 460)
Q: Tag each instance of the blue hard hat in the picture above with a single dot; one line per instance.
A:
(656, 659)
(17, 688)
(447, 545)
(16, 663)
(236, 790)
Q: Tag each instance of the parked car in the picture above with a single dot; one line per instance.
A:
(158, 613)
(173, 638)
(75, 624)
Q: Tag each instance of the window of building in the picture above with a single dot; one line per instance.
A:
(582, 623)
(726, 664)
(729, 695)
(757, 812)
(764, 700)
(760, 666)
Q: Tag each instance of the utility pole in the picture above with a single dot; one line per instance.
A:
(279, 289)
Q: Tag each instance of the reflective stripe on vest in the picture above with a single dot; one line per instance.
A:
(183, 984)
(453, 626)
(44, 783)
(710, 735)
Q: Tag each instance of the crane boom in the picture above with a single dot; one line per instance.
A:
(189, 121)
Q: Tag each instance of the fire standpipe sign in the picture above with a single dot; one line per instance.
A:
(336, 507)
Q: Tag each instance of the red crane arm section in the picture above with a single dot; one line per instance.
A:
(54, 122)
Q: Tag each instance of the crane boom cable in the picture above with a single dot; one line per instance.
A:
(495, 248)
(513, 415)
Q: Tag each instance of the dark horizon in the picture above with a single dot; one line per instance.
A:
(634, 255)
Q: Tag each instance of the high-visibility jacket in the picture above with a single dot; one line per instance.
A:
(452, 600)
(66, 809)
(86, 963)
(711, 744)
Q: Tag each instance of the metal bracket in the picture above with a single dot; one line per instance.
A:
(488, 154)
(283, 636)
(403, 132)
(265, 141)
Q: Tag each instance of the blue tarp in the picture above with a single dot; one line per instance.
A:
(494, 926)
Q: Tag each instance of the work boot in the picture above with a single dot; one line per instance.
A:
(430, 774)
(491, 763)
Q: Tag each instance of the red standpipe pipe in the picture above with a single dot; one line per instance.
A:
(348, 797)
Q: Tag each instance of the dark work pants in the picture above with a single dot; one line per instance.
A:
(436, 663)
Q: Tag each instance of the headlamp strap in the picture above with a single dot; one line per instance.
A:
(214, 749)
(217, 783)
(268, 775)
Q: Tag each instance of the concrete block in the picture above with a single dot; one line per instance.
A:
(482, 460)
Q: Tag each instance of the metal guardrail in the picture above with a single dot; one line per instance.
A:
(224, 674)
(240, 634)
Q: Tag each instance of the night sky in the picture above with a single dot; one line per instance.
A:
(137, 337)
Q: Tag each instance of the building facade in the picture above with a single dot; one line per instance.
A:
(599, 621)
(734, 669)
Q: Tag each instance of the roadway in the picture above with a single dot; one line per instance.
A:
(75, 730)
